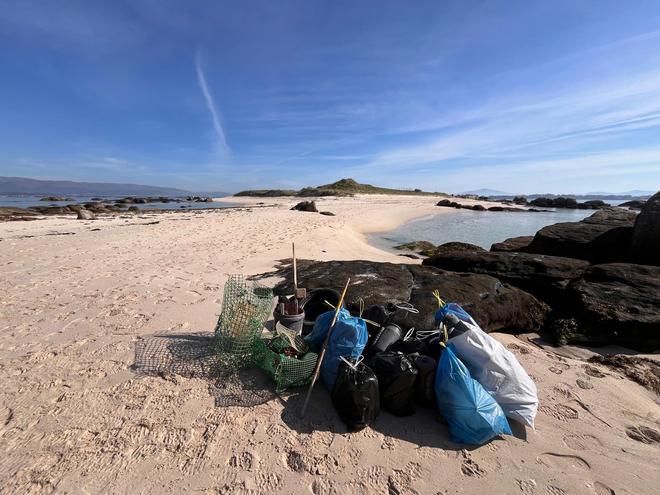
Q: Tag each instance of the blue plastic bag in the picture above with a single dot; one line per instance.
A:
(455, 309)
(472, 414)
(347, 340)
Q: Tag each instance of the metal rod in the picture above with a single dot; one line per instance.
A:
(317, 368)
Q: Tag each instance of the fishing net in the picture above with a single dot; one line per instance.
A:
(285, 357)
(245, 308)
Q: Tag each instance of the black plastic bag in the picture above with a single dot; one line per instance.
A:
(378, 315)
(410, 346)
(355, 395)
(433, 347)
(396, 380)
(425, 383)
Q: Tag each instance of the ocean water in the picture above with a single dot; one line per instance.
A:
(27, 201)
(482, 228)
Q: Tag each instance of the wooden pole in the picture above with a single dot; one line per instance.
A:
(295, 277)
(317, 368)
(295, 269)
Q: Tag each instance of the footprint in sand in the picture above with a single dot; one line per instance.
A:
(527, 487)
(643, 434)
(245, 461)
(560, 412)
(554, 490)
(582, 442)
(469, 467)
(563, 462)
(517, 347)
(559, 368)
(593, 371)
(584, 384)
(602, 489)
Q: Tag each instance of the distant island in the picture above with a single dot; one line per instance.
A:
(343, 187)
(494, 194)
(350, 187)
(22, 186)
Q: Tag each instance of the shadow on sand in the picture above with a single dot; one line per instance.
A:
(424, 428)
(231, 379)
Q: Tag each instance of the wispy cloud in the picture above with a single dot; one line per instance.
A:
(210, 103)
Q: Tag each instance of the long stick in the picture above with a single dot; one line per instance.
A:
(295, 269)
(317, 368)
(295, 277)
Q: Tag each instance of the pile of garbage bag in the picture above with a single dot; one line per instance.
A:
(475, 384)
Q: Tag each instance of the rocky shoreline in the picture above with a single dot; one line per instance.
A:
(97, 206)
(594, 282)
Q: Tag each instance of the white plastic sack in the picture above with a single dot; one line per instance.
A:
(499, 372)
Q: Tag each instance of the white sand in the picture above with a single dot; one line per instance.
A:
(75, 418)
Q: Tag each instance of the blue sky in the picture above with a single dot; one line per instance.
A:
(520, 96)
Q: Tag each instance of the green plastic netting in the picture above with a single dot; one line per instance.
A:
(245, 308)
(286, 371)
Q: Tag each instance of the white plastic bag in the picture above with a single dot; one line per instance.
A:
(499, 372)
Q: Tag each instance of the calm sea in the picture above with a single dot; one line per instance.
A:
(482, 228)
(26, 201)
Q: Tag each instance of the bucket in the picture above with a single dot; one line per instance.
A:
(292, 322)
(315, 306)
(387, 336)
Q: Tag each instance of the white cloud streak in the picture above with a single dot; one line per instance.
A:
(210, 103)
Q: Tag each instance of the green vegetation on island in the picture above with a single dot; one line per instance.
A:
(343, 187)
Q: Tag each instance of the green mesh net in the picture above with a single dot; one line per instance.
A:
(284, 356)
(245, 308)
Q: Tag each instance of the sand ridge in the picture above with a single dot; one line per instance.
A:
(78, 298)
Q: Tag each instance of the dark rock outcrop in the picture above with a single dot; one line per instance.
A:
(560, 202)
(11, 213)
(619, 303)
(513, 244)
(84, 214)
(495, 306)
(309, 206)
(416, 246)
(327, 213)
(56, 198)
(635, 204)
(544, 276)
(593, 204)
(371, 281)
(602, 237)
(645, 242)
(511, 208)
(51, 210)
(453, 247)
(616, 217)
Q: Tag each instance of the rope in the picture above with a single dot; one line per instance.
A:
(406, 306)
(424, 334)
(441, 302)
(353, 366)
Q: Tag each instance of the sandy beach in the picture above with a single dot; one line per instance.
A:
(79, 297)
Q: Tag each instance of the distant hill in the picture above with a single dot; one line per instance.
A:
(343, 187)
(633, 193)
(24, 186)
(492, 193)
